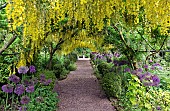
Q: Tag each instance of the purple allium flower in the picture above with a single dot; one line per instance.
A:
(141, 76)
(150, 61)
(34, 80)
(116, 54)
(147, 84)
(147, 74)
(157, 64)
(42, 76)
(160, 68)
(95, 58)
(134, 72)
(32, 69)
(122, 62)
(146, 66)
(153, 67)
(30, 89)
(19, 89)
(47, 82)
(28, 82)
(14, 78)
(109, 60)
(8, 88)
(25, 100)
(139, 70)
(22, 108)
(158, 108)
(23, 70)
(127, 70)
(156, 80)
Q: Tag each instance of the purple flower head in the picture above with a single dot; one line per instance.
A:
(25, 100)
(42, 76)
(109, 56)
(23, 70)
(30, 89)
(34, 80)
(116, 54)
(8, 88)
(157, 64)
(28, 83)
(134, 72)
(147, 78)
(14, 78)
(160, 68)
(127, 70)
(109, 60)
(47, 82)
(139, 70)
(147, 84)
(153, 67)
(150, 61)
(147, 74)
(158, 108)
(19, 89)
(141, 77)
(22, 108)
(155, 80)
(95, 58)
(146, 66)
(32, 69)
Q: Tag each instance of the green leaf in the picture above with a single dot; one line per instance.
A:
(133, 100)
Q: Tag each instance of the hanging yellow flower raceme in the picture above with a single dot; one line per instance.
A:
(37, 17)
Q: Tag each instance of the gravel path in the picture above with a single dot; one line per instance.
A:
(81, 91)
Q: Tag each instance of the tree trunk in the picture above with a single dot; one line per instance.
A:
(3, 6)
(49, 64)
(8, 44)
(52, 51)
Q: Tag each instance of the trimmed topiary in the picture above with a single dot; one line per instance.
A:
(104, 68)
(111, 84)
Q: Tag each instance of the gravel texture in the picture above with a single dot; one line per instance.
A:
(81, 91)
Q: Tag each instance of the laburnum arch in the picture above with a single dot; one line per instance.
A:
(86, 19)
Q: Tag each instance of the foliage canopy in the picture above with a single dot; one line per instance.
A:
(85, 21)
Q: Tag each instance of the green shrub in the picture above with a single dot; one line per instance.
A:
(97, 74)
(64, 74)
(111, 84)
(58, 69)
(72, 57)
(72, 67)
(167, 56)
(104, 68)
(67, 62)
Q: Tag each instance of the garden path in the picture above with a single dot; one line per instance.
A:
(81, 91)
